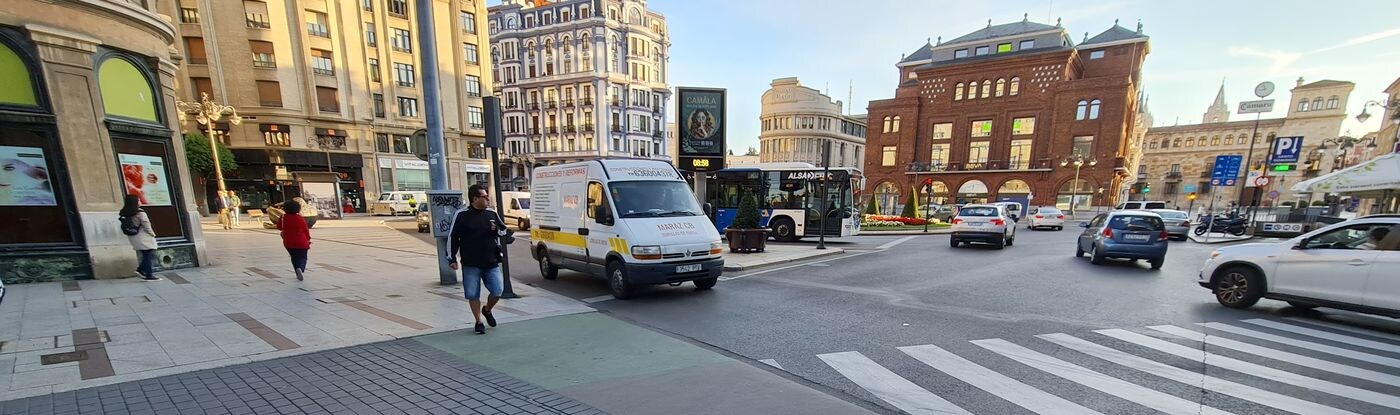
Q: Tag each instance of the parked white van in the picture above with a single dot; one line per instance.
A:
(397, 203)
(1141, 205)
(634, 222)
(516, 208)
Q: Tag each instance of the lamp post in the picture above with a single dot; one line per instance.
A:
(208, 112)
(1392, 106)
(325, 143)
(1343, 144)
(1078, 161)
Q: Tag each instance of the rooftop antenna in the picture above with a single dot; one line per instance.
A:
(1050, 13)
(1025, 17)
(850, 87)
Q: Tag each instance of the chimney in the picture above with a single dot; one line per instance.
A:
(1300, 81)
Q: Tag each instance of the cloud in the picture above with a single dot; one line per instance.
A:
(1364, 39)
(1280, 59)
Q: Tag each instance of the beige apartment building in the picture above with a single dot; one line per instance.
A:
(334, 86)
(1177, 160)
(797, 121)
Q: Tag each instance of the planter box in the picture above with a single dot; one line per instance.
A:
(746, 240)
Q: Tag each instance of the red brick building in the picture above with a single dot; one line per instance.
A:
(992, 116)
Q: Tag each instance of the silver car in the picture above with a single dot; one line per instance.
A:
(1178, 223)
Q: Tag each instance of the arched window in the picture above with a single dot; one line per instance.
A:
(896, 124)
(1152, 145)
(529, 21)
(584, 42)
(936, 192)
(1302, 105)
(1001, 86)
(1166, 143)
(1317, 103)
(1215, 141)
(1078, 193)
(986, 88)
(887, 198)
(958, 92)
(1201, 142)
(1176, 142)
(888, 123)
(19, 88)
(1015, 85)
(1240, 139)
(1081, 110)
(1190, 142)
(1094, 109)
(583, 11)
(126, 92)
(634, 16)
(1332, 102)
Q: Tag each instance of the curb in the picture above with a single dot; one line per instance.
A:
(829, 252)
(906, 232)
(1216, 240)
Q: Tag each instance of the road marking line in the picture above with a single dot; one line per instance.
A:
(888, 386)
(1343, 327)
(1211, 383)
(1252, 369)
(771, 362)
(1287, 357)
(892, 244)
(1348, 353)
(1026, 396)
(1325, 335)
(750, 274)
(1104, 383)
(598, 299)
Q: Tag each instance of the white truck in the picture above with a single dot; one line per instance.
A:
(634, 222)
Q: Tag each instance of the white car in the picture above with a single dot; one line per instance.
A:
(1045, 217)
(990, 224)
(1353, 265)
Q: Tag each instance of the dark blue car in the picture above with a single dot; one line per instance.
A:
(1124, 234)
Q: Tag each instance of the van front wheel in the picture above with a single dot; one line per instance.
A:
(617, 281)
(706, 283)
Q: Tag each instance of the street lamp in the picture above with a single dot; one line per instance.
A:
(208, 112)
(325, 143)
(1343, 144)
(1385, 105)
(1078, 161)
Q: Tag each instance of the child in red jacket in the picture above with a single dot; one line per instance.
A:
(296, 236)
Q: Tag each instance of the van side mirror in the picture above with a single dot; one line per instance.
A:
(709, 209)
(601, 214)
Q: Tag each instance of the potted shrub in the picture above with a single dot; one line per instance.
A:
(744, 234)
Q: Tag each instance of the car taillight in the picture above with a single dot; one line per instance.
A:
(998, 222)
(957, 221)
(1062, 216)
(1162, 236)
(1108, 232)
(1040, 216)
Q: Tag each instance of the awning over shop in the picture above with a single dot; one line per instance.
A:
(1374, 178)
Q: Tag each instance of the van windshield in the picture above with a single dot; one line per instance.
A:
(524, 202)
(653, 199)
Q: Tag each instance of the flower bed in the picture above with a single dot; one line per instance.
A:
(875, 221)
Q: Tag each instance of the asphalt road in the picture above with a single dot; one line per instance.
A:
(975, 314)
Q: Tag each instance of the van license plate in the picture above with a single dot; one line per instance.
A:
(1138, 238)
(687, 268)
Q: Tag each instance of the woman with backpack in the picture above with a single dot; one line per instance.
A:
(296, 236)
(137, 227)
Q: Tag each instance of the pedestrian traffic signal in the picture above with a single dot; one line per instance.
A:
(1191, 196)
(1147, 188)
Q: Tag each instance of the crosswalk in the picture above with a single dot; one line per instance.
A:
(1249, 366)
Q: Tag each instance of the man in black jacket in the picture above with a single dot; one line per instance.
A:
(475, 235)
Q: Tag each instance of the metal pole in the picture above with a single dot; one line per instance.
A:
(826, 171)
(1249, 157)
(432, 116)
(1074, 188)
(214, 150)
(928, 199)
(492, 107)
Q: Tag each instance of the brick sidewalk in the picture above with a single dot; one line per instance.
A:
(363, 285)
(396, 377)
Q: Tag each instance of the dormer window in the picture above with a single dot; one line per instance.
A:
(1027, 44)
(1098, 54)
(960, 53)
(983, 50)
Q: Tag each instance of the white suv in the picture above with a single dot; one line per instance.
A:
(991, 224)
(1353, 265)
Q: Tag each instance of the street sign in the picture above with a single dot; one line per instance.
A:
(1252, 175)
(1264, 89)
(1261, 181)
(1226, 171)
(1188, 188)
(1284, 167)
(1286, 149)
(1283, 227)
(1273, 194)
(1251, 107)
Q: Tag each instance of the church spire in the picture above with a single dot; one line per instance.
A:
(1218, 111)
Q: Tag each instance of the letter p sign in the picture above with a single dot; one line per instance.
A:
(1286, 150)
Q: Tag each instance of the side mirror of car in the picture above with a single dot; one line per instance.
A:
(1084, 225)
(601, 214)
(1302, 244)
(1015, 218)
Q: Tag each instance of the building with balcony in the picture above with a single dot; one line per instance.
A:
(797, 121)
(1177, 160)
(994, 115)
(579, 79)
(334, 86)
(87, 117)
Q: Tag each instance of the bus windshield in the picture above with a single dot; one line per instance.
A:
(653, 199)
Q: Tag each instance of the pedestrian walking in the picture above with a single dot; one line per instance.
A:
(235, 205)
(296, 236)
(220, 208)
(475, 235)
(136, 225)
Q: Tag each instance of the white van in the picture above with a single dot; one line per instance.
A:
(634, 222)
(516, 208)
(1141, 205)
(397, 203)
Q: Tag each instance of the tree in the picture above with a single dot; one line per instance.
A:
(910, 210)
(198, 156)
(871, 208)
(752, 152)
(747, 217)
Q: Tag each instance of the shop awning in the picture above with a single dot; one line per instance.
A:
(1370, 179)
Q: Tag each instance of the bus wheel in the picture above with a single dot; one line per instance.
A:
(783, 230)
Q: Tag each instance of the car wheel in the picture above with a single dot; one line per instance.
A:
(1059, 228)
(1001, 244)
(1238, 287)
(1157, 262)
(524, 225)
(953, 242)
(1078, 252)
(706, 283)
(547, 268)
(422, 229)
(1011, 241)
(1094, 256)
(617, 281)
(1302, 305)
(783, 230)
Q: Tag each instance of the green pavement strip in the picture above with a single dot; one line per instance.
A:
(577, 349)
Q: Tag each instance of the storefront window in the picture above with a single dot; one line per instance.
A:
(29, 195)
(125, 91)
(145, 173)
(406, 179)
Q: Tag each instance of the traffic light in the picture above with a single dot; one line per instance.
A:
(1191, 196)
(1147, 188)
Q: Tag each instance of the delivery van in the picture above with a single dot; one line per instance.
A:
(397, 203)
(633, 222)
(516, 208)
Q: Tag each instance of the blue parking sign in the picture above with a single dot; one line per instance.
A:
(1226, 170)
(1286, 150)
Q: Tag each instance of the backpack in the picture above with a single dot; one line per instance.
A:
(130, 226)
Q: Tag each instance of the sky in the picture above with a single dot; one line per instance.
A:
(830, 44)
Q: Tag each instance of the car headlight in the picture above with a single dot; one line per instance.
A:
(716, 247)
(646, 251)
